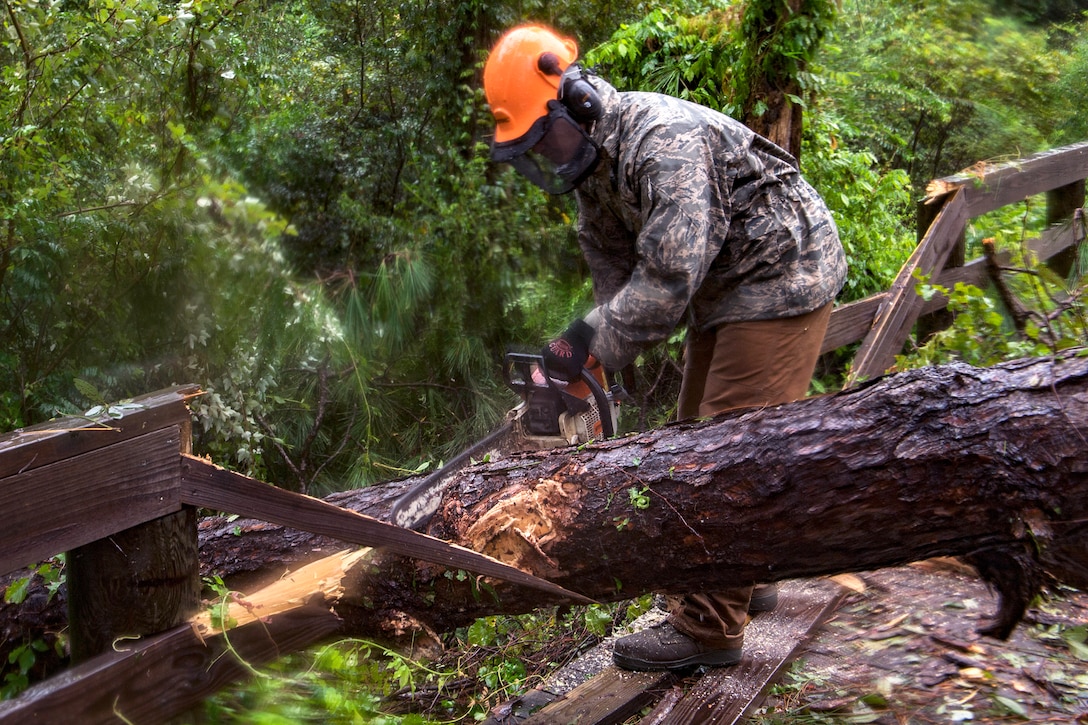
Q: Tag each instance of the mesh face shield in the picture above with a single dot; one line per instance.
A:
(555, 153)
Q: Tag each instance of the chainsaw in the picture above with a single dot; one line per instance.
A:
(552, 414)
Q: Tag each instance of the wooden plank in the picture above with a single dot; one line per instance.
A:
(155, 679)
(207, 485)
(902, 305)
(1058, 239)
(663, 707)
(851, 322)
(939, 319)
(772, 640)
(988, 187)
(1062, 204)
(75, 501)
(40, 445)
(611, 697)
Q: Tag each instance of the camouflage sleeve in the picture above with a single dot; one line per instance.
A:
(672, 251)
(608, 249)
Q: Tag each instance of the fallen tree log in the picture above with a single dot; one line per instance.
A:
(987, 464)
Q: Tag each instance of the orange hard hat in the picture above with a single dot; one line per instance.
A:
(517, 87)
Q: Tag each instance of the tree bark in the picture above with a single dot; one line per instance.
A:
(987, 464)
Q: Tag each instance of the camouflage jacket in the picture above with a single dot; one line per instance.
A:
(689, 210)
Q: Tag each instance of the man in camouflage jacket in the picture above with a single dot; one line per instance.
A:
(685, 216)
(690, 211)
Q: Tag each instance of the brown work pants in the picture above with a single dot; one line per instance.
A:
(741, 364)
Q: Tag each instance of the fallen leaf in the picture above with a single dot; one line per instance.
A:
(1012, 706)
(1021, 686)
(849, 581)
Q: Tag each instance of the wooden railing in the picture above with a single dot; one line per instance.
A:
(883, 322)
(119, 492)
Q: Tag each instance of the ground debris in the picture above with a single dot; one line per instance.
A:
(906, 650)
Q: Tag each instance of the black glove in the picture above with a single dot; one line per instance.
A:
(566, 355)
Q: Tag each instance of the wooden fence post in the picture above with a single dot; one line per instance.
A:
(1061, 203)
(140, 581)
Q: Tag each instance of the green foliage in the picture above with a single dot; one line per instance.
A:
(1042, 11)
(22, 663)
(598, 620)
(872, 206)
(901, 72)
(489, 662)
(1049, 315)
(670, 52)
(99, 222)
(776, 47)
(638, 497)
(144, 237)
(431, 260)
(721, 57)
(979, 334)
(348, 681)
(1071, 123)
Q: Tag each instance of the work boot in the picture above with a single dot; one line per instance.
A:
(764, 598)
(663, 647)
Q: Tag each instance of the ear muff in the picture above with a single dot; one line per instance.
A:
(579, 96)
(575, 92)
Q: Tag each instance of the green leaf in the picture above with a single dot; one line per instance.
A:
(16, 592)
(598, 619)
(26, 658)
(1012, 706)
(1075, 638)
(481, 633)
(89, 391)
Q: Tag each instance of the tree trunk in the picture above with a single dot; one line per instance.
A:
(987, 464)
(781, 120)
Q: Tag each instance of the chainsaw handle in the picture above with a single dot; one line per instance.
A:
(525, 361)
(587, 377)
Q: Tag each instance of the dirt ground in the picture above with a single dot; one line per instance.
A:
(902, 648)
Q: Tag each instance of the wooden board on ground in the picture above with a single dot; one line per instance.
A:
(722, 695)
(771, 642)
(611, 697)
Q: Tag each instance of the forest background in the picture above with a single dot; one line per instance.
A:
(290, 204)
